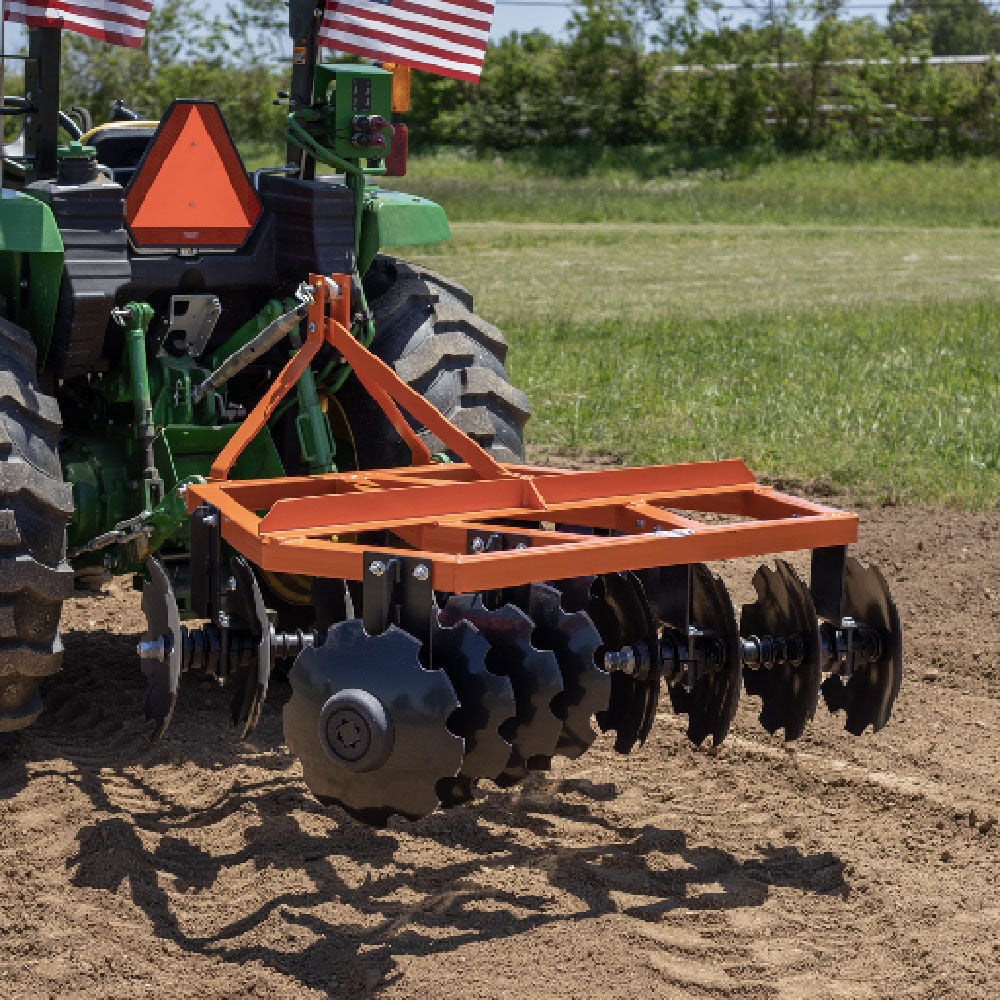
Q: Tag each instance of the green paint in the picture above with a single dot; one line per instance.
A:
(31, 265)
(185, 454)
(330, 132)
(76, 150)
(311, 425)
(345, 92)
(170, 441)
(98, 470)
(138, 316)
(271, 311)
(396, 219)
(104, 471)
(171, 382)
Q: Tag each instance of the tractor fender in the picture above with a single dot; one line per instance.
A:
(31, 265)
(397, 219)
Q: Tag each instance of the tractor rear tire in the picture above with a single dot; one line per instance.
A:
(35, 505)
(427, 332)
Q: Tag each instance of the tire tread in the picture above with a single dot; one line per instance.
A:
(35, 505)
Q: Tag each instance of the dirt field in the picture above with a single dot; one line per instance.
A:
(200, 867)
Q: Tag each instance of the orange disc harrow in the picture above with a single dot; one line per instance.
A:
(481, 525)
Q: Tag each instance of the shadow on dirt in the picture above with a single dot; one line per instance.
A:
(406, 908)
(496, 869)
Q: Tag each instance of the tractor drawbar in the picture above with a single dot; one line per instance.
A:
(475, 619)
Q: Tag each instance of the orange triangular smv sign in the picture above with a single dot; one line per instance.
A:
(191, 190)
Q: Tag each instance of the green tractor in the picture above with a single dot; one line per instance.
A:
(123, 288)
(204, 377)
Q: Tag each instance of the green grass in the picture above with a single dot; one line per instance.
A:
(891, 403)
(826, 320)
(641, 272)
(865, 357)
(657, 185)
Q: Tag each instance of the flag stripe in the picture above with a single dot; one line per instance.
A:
(442, 28)
(75, 12)
(441, 12)
(458, 71)
(392, 49)
(91, 8)
(448, 37)
(450, 43)
(445, 8)
(388, 51)
(120, 22)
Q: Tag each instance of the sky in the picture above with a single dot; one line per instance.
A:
(518, 15)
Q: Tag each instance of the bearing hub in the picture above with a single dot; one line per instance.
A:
(356, 730)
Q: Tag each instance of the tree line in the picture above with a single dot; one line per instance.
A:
(784, 75)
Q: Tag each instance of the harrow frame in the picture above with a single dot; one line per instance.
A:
(472, 522)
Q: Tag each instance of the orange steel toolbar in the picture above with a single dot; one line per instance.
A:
(541, 523)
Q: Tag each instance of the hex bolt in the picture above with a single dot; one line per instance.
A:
(376, 567)
(640, 522)
(522, 545)
(421, 572)
(231, 584)
(478, 544)
(210, 520)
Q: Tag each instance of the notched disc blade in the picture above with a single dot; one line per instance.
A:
(383, 670)
(246, 605)
(534, 676)
(711, 704)
(574, 592)
(784, 607)
(486, 699)
(586, 686)
(868, 696)
(162, 621)
(621, 615)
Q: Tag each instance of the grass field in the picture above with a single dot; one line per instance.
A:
(863, 355)
(645, 272)
(653, 185)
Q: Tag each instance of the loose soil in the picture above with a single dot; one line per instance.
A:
(837, 867)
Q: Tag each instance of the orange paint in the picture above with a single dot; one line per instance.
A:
(191, 188)
(431, 509)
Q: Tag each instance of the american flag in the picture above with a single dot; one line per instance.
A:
(120, 22)
(447, 37)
